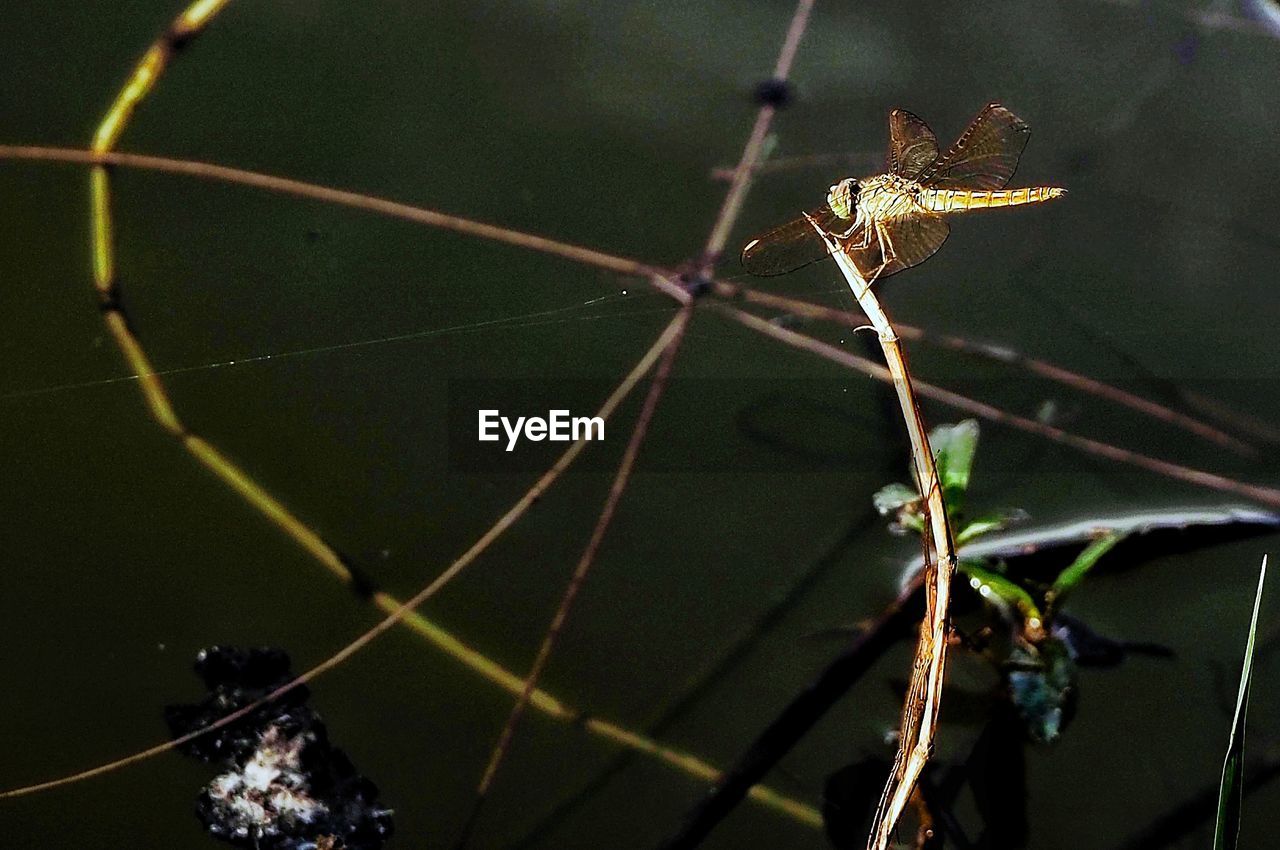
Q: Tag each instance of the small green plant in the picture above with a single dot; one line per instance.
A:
(1041, 647)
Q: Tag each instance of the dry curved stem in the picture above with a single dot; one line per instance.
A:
(720, 228)
(401, 610)
(924, 692)
(723, 224)
(140, 83)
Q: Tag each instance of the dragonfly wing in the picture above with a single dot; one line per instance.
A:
(912, 145)
(915, 239)
(985, 155)
(793, 245)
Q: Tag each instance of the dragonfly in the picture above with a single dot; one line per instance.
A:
(893, 221)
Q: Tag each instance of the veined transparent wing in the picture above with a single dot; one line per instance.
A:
(915, 239)
(912, 145)
(984, 157)
(793, 245)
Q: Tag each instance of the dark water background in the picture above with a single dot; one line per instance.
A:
(598, 123)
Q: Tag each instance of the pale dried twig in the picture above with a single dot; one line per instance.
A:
(924, 693)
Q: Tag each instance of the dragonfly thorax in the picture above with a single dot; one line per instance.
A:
(882, 197)
(888, 196)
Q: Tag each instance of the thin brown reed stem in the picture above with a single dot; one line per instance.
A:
(863, 160)
(1197, 477)
(356, 200)
(742, 175)
(401, 609)
(1245, 423)
(398, 611)
(1001, 354)
(621, 478)
(657, 276)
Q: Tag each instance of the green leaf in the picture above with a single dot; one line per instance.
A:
(1226, 832)
(1001, 592)
(984, 525)
(953, 450)
(911, 521)
(1071, 577)
(893, 497)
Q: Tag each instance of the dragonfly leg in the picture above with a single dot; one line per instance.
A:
(851, 229)
(887, 252)
(861, 246)
(859, 220)
(866, 238)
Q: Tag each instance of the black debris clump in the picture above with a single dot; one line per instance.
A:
(283, 786)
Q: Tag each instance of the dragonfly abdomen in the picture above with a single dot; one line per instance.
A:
(958, 200)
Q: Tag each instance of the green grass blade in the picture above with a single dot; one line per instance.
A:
(1227, 829)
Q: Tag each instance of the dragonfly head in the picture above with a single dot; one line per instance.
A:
(843, 198)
